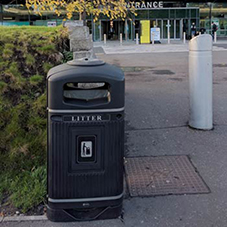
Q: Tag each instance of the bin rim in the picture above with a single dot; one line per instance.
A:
(86, 62)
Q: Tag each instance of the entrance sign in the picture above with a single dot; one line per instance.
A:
(145, 31)
(156, 33)
(145, 5)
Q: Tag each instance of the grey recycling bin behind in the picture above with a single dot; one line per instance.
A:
(85, 141)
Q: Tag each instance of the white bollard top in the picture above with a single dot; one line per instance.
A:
(201, 43)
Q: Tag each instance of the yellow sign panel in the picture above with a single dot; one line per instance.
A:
(145, 31)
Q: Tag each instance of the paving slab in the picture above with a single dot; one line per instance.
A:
(206, 149)
(147, 48)
(176, 211)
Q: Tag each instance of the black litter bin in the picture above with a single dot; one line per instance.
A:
(85, 141)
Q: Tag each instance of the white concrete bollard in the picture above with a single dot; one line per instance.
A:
(168, 37)
(215, 37)
(137, 39)
(184, 37)
(152, 38)
(120, 38)
(201, 82)
(104, 38)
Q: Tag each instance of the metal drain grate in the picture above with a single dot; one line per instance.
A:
(165, 175)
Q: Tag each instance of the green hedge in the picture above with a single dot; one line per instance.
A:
(26, 55)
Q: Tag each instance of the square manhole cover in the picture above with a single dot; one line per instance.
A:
(164, 175)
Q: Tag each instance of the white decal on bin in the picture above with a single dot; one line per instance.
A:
(86, 149)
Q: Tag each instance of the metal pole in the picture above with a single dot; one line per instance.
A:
(210, 16)
(137, 39)
(184, 37)
(215, 37)
(104, 38)
(152, 38)
(100, 30)
(201, 82)
(168, 32)
(120, 38)
(126, 30)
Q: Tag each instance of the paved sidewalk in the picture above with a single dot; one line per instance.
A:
(114, 47)
(157, 111)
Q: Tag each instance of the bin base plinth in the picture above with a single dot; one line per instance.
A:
(70, 215)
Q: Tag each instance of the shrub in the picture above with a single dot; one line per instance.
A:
(30, 60)
(36, 79)
(26, 54)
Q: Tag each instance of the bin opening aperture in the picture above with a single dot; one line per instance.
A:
(89, 93)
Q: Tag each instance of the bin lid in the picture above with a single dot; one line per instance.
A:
(201, 43)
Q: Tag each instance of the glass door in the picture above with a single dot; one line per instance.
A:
(165, 29)
(104, 29)
(159, 25)
(128, 29)
(137, 28)
(166, 24)
(97, 31)
(171, 29)
(178, 29)
(174, 28)
(121, 29)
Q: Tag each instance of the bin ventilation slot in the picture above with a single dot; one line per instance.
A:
(85, 85)
(86, 93)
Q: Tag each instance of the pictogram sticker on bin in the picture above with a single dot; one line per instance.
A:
(86, 148)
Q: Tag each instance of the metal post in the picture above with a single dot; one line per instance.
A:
(210, 15)
(152, 38)
(184, 37)
(137, 39)
(126, 30)
(100, 30)
(168, 37)
(120, 38)
(199, 33)
(104, 38)
(168, 25)
(215, 37)
(201, 82)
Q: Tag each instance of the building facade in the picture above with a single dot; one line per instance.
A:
(174, 18)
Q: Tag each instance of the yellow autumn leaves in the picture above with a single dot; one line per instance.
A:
(113, 9)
